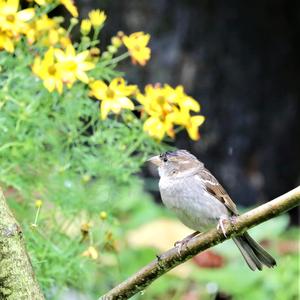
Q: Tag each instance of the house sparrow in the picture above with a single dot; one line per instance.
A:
(200, 202)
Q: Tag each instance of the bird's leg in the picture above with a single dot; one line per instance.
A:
(231, 219)
(180, 244)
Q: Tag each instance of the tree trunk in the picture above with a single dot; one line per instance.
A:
(17, 279)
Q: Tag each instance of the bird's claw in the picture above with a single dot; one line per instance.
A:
(179, 245)
(231, 219)
(221, 225)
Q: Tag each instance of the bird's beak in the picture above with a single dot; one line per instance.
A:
(155, 160)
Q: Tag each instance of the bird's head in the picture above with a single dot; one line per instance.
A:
(175, 163)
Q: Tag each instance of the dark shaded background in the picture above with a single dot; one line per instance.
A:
(241, 60)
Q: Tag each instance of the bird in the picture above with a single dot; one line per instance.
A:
(200, 202)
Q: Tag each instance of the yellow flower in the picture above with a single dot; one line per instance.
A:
(190, 123)
(91, 252)
(73, 66)
(178, 96)
(156, 100)
(114, 97)
(97, 17)
(6, 42)
(192, 126)
(46, 31)
(12, 23)
(157, 127)
(167, 107)
(85, 26)
(44, 23)
(48, 71)
(136, 44)
(67, 68)
(13, 20)
(182, 116)
(158, 104)
(70, 6)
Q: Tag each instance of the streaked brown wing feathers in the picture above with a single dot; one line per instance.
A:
(215, 189)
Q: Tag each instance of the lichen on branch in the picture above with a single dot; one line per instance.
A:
(17, 279)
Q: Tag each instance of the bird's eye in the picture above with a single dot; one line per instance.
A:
(163, 157)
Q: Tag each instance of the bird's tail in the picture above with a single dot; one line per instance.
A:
(254, 254)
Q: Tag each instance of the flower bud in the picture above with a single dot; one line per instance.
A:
(116, 41)
(74, 21)
(86, 178)
(38, 203)
(103, 215)
(94, 52)
(85, 26)
(112, 49)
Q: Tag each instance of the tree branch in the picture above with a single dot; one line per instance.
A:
(170, 259)
(17, 280)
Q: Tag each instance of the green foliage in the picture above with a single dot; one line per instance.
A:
(55, 148)
(64, 133)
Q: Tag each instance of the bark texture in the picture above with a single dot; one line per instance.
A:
(17, 279)
(172, 258)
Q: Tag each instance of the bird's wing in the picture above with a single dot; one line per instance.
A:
(214, 188)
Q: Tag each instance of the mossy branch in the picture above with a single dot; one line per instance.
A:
(17, 280)
(170, 259)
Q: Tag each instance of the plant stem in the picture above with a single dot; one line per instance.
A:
(117, 59)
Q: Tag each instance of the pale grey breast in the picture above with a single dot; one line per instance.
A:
(188, 199)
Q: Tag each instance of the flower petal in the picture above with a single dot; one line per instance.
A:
(126, 103)
(193, 126)
(49, 84)
(25, 14)
(81, 75)
(154, 127)
(105, 108)
(11, 6)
